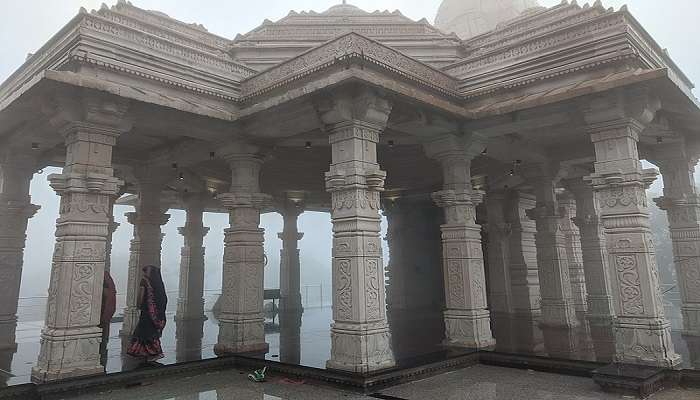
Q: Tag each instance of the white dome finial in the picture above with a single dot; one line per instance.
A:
(469, 18)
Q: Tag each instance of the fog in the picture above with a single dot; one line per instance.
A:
(26, 25)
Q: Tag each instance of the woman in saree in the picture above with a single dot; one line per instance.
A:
(145, 341)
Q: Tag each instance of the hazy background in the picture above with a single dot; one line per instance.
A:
(27, 25)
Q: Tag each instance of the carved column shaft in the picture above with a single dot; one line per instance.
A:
(600, 310)
(643, 334)
(500, 287)
(681, 202)
(241, 322)
(70, 340)
(145, 248)
(555, 285)
(467, 320)
(190, 300)
(290, 285)
(15, 211)
(290, 273)
(572, 237)
(360, 333)
(524, 272)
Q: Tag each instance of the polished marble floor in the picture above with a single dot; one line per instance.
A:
(414, 340)
(475, 383)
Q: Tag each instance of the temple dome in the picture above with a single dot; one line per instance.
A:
(344, 9)
(469, 18)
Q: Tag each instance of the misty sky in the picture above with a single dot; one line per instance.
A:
(26, 25)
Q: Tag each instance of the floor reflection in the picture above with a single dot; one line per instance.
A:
(303, 338)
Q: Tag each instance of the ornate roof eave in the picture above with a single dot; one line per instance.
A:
(648, 44)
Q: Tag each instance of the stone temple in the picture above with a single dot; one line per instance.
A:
(502, 144)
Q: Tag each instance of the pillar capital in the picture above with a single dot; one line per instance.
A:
(362, 105)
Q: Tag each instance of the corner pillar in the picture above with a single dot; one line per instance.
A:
(241, 321)
(642, 332)
(360, 336)
(467, 320)
(70, 340)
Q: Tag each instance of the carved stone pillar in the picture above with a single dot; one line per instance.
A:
(16, 209)
(360, 337)
(146, 244)
(241, 322)
(290, 274)
(681, 202)
(467, 321)
(189, 317)
(518, 331)
(290, 283)
(600, 312)
(415, 291)
(70, 340)
(500, 288)
(572, 238)
(524, 273)
(190, 300)
(555, 285)
(642, 332)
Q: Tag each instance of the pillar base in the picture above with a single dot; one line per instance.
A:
(241, 336)
(602, 337)
(8, 330)
(645, 343)
(131, 319)
(558, 314)
(691, 320)
(360, 349)
(468, 329)
(68, 354)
